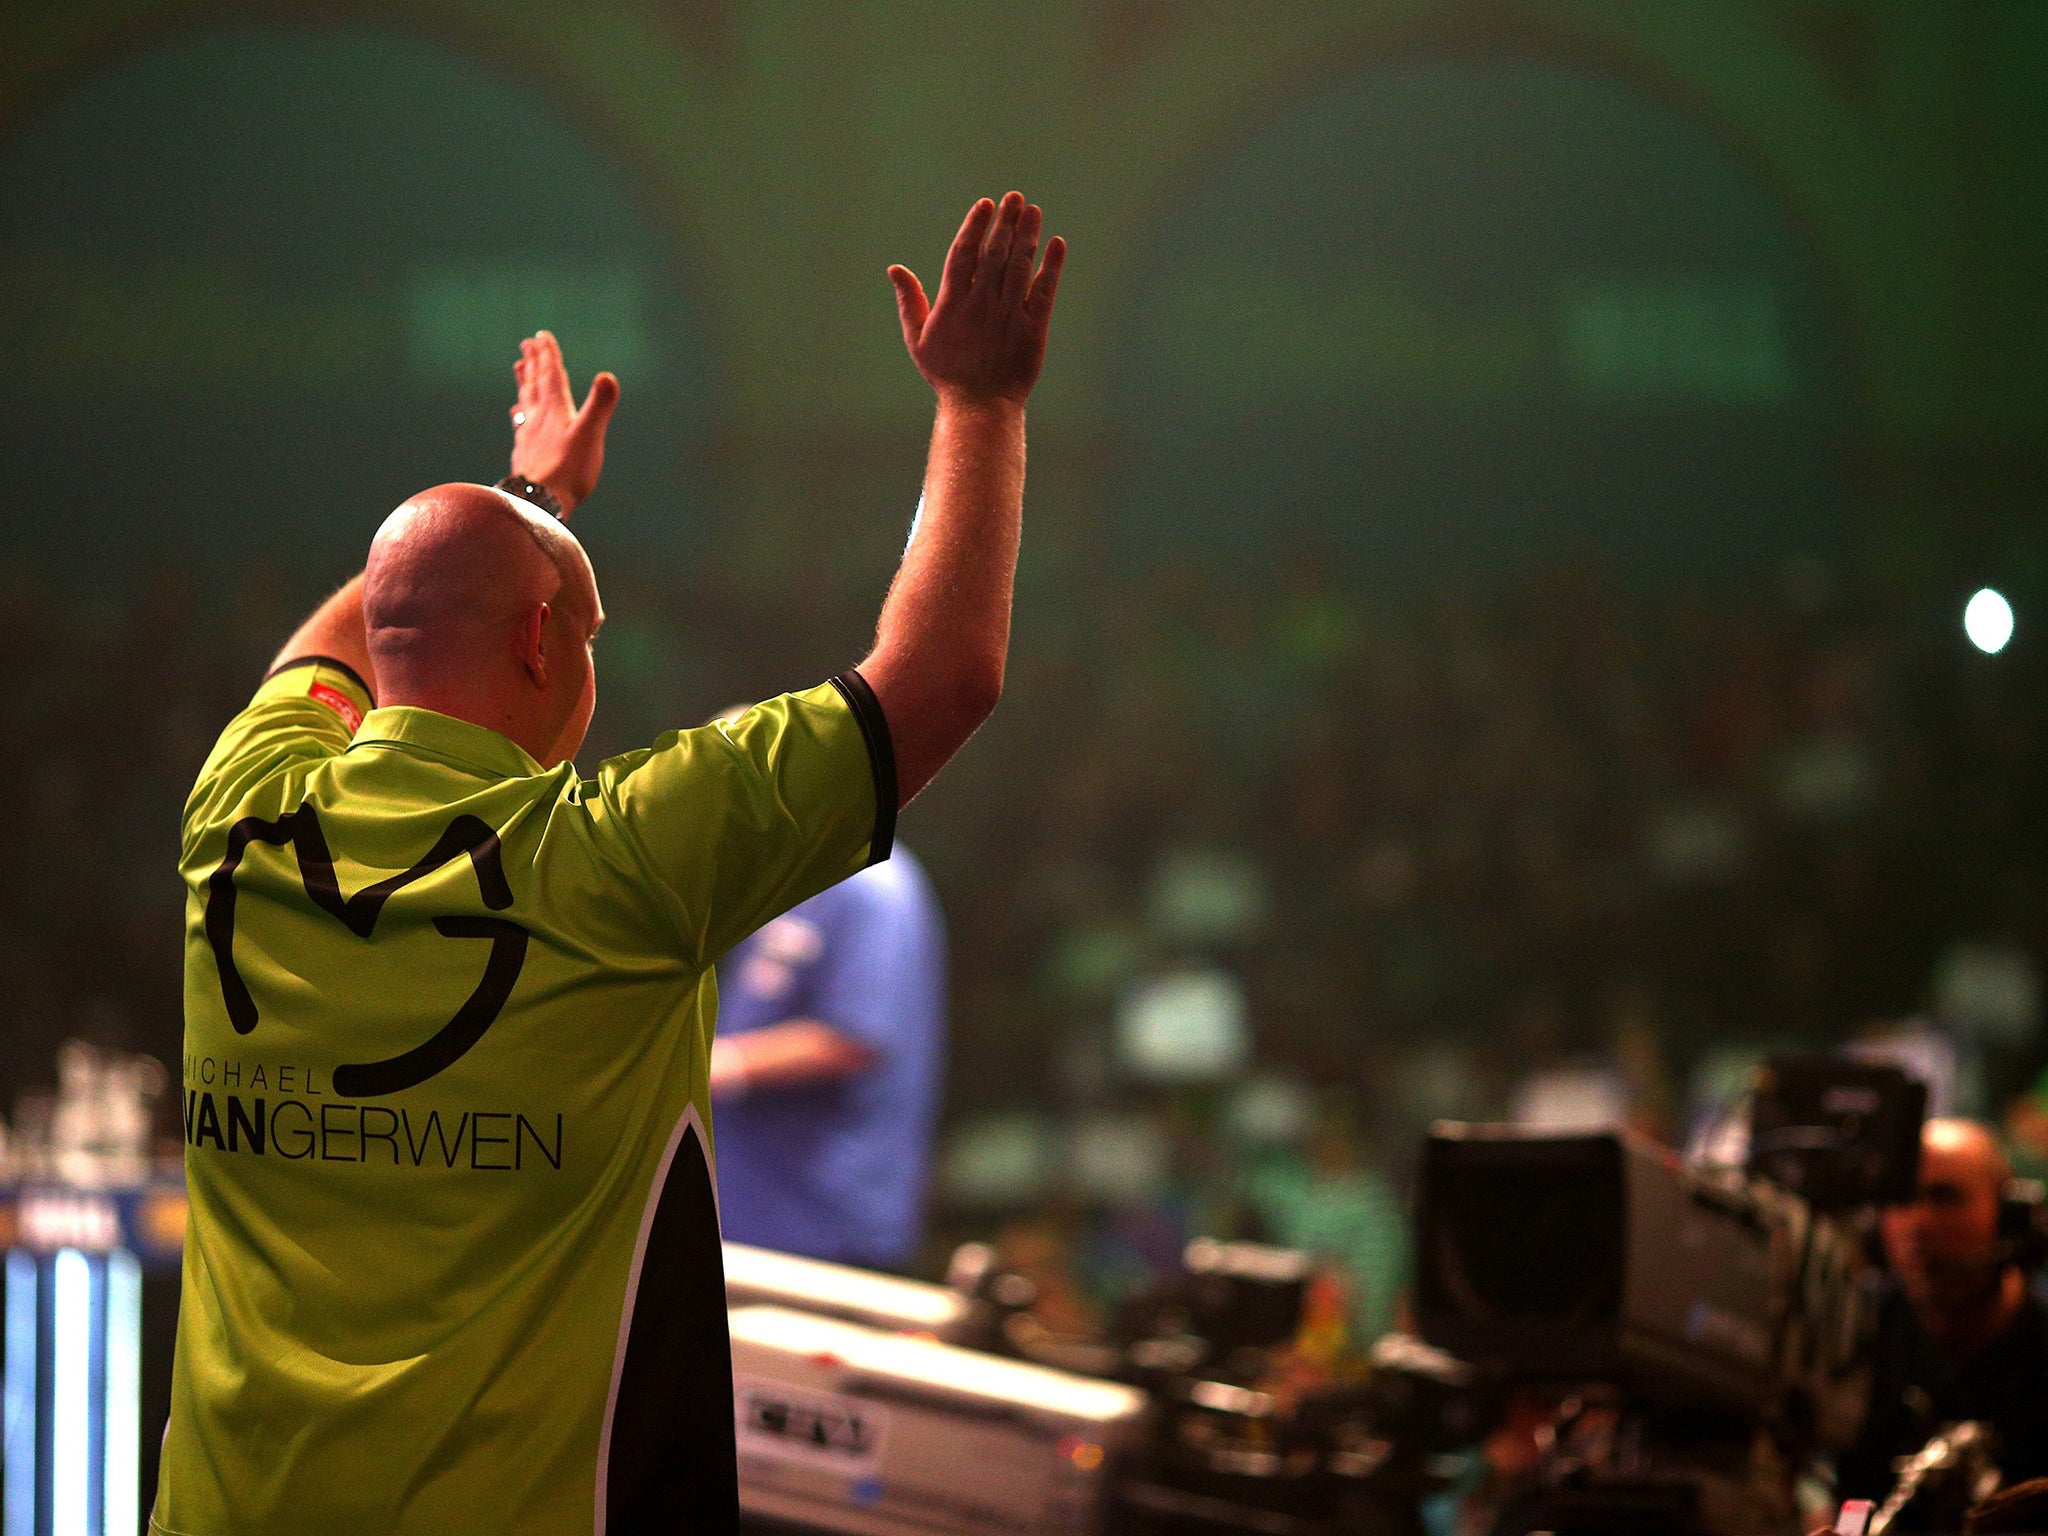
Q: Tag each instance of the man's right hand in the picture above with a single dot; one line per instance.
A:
(944, 636)
(984, 337)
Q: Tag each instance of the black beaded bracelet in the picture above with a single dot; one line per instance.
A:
(539, 495)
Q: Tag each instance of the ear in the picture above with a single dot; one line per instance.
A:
(533, 644)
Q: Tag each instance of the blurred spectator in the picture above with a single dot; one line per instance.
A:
(826, 1068)
(2026, 1129)
(1962, 1336)
(1325, 1198)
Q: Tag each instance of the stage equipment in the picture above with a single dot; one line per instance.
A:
(1244, 1295)
(1939, 1482)
(763, 1276)
(1240, 1442)
(845, 1428)
(1602, 1258)
(1840, 1134)
(1706, 1332)
(1682, 1344)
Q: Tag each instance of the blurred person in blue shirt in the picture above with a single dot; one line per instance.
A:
(826, 1067)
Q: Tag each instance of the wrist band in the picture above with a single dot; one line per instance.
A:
(539, 495)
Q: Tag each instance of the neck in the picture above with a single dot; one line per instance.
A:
(461, 701)
(1967, 1315)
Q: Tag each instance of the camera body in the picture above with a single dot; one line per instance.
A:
(1842, 1135)
(1602, 1258)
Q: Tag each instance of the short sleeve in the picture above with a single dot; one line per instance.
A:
(307, 709)
(738, 821)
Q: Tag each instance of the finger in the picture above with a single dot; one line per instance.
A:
(912, 308)
(599, 404)
(533, 375)
(995, 253)
(1047, 284)
(553, 371)
(965, 254)
(1023, 255)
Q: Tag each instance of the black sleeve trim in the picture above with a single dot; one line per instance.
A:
(335, 662)
(874, 730)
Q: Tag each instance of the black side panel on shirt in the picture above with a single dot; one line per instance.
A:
(673, 1466)
(874, 730)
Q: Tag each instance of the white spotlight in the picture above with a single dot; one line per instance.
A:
(1987, 620)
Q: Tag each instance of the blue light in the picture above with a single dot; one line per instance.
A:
(18, 1469)
(124, 1395)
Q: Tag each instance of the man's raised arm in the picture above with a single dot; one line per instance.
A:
(555, 445)
(937, 665)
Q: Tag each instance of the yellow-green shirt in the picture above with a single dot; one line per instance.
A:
(453, 1256)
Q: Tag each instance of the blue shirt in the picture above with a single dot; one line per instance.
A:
(836, 1170)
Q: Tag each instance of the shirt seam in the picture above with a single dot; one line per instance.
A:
(675, 911)
(455, 759)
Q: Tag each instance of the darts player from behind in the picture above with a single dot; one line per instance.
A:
(453, 1257)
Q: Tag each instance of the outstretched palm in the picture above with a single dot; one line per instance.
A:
(554, 443)
(983, 338)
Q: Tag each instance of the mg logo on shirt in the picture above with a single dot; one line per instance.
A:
(359, 913)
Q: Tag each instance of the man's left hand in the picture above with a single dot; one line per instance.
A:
(554, 443)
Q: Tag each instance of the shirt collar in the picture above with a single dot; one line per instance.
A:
(474, 746)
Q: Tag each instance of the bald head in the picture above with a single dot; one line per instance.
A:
(462, 557)
(1945, 1245)
(1963, 1150)
(477, 605)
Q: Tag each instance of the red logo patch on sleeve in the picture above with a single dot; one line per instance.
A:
(339, 702)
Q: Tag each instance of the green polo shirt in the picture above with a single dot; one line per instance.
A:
(453, 1256)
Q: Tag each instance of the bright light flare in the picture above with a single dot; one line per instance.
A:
(122, 1447)
(71, 1394)
(1987, 620)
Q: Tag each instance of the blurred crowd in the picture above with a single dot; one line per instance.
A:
(1264, 876)
(1254, 876)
